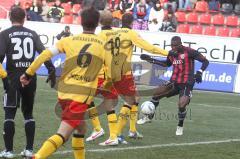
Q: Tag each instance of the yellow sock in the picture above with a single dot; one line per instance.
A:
(78, 146)
(50, 146)
(123, 118)
(112, 124)
(93, 115)
(133, 118)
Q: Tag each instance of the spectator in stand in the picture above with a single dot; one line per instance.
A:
(156, 17)
(113, 5)
(37, 7)
(56, 12)
(124, 6)
(45, 10)
(186, 4)
(169, 22)
(65, 33)
(31, 15)
(100, 4)
(141, 13)
(172, 4)
(214, 5)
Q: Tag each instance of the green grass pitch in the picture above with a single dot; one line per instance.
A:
(211, 130)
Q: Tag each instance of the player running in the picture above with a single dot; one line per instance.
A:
(182, 80)
(77, 84)
(19, 45)
(120, 74)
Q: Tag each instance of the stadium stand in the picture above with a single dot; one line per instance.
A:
(237, 9)
(205, 19)
(232, 21)
(201, 6)
(192, 18)
(235, 32)
(67, 19)
(181, 16)
(218, 19)
(223, 31)
(227, 8)
(183, 28)
(67, 8)
(210, 30)
(196, 29)
(76, 8)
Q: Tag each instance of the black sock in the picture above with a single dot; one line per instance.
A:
(30, 133)
(8, 134)
(181, 116)
(155, 102)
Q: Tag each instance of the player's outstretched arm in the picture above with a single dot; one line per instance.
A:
(140, 42)
(163, 63)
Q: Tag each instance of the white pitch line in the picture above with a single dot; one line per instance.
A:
(153, 146)
(212, 106)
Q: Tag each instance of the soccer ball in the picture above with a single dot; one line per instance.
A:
(147, 108)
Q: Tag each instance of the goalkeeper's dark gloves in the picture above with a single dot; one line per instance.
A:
(198, 76)
(51, 77)
(147, 58)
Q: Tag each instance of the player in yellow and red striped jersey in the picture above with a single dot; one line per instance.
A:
(77, 85)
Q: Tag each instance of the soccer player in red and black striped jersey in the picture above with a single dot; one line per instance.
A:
(182, 80)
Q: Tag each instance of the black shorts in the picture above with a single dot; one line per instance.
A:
(179, 88)
(16, 95)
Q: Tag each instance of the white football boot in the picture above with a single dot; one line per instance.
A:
(95, 135)
(7, 154)
(135, 135)
(27, 153)
(144, 120)
(179, 131)
(109, 142)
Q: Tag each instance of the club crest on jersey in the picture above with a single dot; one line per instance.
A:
(182, 56)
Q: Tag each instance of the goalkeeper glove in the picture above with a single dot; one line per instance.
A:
(198, 77)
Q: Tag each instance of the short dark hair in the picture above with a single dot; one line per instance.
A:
(90, 18)
(106, 18)
(17, 14)
(176, 39)
(127, 19)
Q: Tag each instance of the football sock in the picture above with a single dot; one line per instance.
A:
(112, 124)
(50, 146)
(93, 115)
(133, 118)
(78, 146)
(155, 102)
(123, 118)
(30, 132)
(181, 116)
(8, 134)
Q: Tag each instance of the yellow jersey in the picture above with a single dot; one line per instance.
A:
(84, 59)
(106, 34)
(120, 47)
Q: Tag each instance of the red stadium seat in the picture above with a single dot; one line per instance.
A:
(210, 30)
(235, 32)
(76, 8)
(67, 8)
(181, 16)
(67, 19)
(3, 14)
(196, 29)
(183, 28)
(223, 31)
(77, 20)
(192, 17)
(205, 19)
(201, 6)
(218, 19)
(232, 21)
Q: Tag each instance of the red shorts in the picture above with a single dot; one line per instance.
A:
(72, 112)
(126, 86)
(111, 94)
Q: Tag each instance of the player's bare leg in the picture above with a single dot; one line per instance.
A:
(182, 103)
(159, 93)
